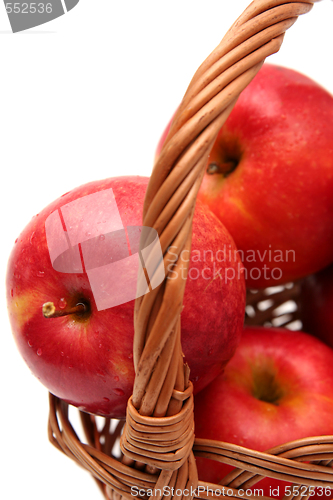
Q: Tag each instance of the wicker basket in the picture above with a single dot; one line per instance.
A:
(157, 441)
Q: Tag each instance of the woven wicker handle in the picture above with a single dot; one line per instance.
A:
(161, 381)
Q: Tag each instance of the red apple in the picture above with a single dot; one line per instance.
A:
(316, 305)
(269, 177)
(68, 254)
(277, 388)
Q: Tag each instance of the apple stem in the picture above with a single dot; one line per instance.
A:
(224, 168)
(49, 310)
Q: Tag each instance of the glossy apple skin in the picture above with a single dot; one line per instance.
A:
(278, 202)
(87, 360)
(316, 305)
(230, 410)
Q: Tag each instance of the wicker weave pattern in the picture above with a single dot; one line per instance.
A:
(161, 388)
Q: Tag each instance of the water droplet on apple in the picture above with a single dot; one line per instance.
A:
(32, 237)
(195, 379)
(210, 352)
(118, 392)
(116, 378)
(40, 274)
(62, 353)
(70, 367)
(39, 351)
(12, 292)
(106, 400)
(62, 303)
(130, 356)
(16, 240)
(101, 237)
(30, 343)
(100, 346)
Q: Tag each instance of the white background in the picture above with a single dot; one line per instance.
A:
(85, 97)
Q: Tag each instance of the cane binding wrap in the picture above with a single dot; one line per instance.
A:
(157, 441)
